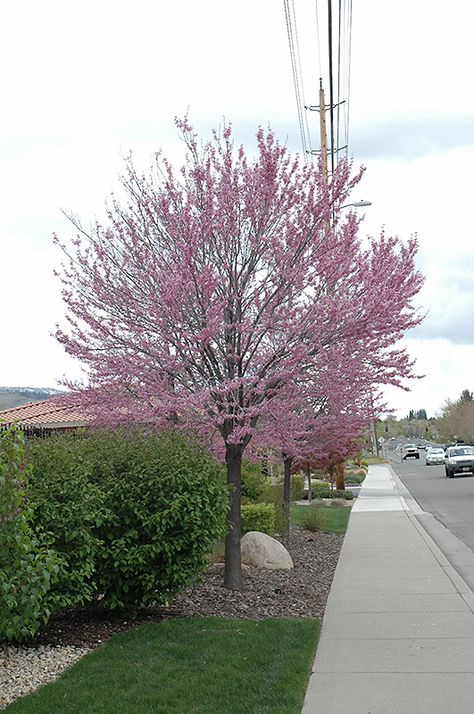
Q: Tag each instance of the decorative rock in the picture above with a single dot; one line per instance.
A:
(23, 669)
(263, 551)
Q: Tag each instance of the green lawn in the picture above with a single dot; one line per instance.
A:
(188, 666)
(330, 519)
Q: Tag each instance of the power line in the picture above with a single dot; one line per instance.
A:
(296, 82)
(349, 50)
(339, 57)
(331, 85)
(338, 76)
(318, 42)
(301, 76)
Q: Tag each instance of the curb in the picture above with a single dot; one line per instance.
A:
(454, 556)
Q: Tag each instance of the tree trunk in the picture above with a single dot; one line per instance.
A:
(287, 462)
(232, 564)
(331, 475)
(308, 477)
(340, 481)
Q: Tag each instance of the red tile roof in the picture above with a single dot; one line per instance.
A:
(49, 413)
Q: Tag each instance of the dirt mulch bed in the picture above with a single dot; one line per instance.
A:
(300, 592)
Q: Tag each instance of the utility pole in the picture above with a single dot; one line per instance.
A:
(373, 426)
(373, 433)
(321, 108)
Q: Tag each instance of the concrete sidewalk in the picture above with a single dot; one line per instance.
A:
(398, 632)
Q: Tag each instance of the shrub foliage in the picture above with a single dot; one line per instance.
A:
(27, 568)
(258, 517)
(253, 482)
(132, 515)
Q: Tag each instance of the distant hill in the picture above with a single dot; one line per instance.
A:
(16, 396)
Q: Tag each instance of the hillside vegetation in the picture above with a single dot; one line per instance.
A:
(11, 397)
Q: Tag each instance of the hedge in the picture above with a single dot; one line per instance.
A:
(131, 515)
(258, 517)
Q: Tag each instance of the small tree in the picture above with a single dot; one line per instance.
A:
(457, 419)
(211, 291)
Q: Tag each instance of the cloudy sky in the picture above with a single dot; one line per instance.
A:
(84, 85)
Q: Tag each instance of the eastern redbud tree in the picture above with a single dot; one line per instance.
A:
(211, 290)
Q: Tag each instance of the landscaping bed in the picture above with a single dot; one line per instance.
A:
(298, 593)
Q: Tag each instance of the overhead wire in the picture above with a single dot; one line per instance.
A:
(296, 81)
(343, 56)
(331, 85)
(308, 134)
(348, 86)
(318, 42)
(339, 46)
(339, 55)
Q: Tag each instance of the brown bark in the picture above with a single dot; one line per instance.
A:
(287, 463)
(330, 470)
(232, 560)
(340, 480)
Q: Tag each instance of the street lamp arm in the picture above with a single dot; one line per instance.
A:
(358, 204)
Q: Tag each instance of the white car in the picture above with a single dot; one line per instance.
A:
(410, 452)
(434, 455)
(459, 459)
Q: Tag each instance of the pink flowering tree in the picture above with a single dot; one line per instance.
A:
(320, 428)
(211, 290)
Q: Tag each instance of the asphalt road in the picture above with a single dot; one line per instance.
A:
(451, 500)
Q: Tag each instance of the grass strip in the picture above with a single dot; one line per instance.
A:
(330, 519)
(188, 666)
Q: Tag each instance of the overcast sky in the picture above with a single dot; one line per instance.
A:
(82, 87)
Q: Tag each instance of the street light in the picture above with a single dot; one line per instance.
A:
(358, 204)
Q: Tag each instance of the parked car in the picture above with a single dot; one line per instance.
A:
(459, 459)
(421, 446)
(434, 455)
(411, 452)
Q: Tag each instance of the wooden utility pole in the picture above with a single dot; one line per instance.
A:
(321, 108)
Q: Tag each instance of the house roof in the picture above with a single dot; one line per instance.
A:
(51, 413)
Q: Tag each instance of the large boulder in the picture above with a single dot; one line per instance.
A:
(263, 551)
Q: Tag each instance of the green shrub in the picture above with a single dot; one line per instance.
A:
(339, 493)
(355, 478)
(313, 518)
(253, 482)
(68, 511)
(297, 487)
(271, 492)
(27, 568)
(334, 493)
(142, 512)
(320, 490)
(258, 517)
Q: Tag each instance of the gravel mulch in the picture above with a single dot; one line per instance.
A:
(24, 669)
(300, 592)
